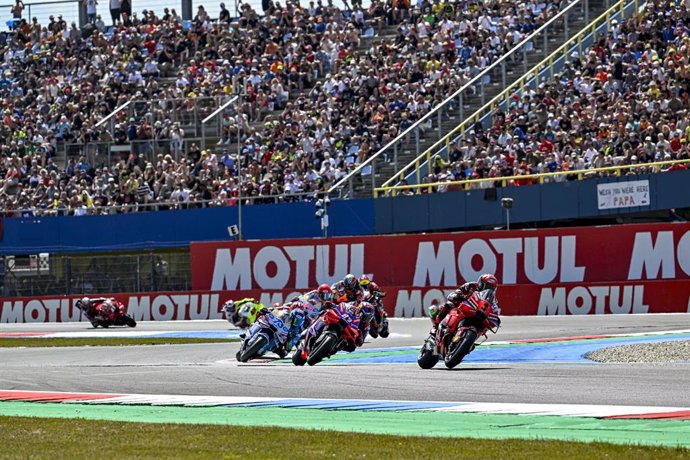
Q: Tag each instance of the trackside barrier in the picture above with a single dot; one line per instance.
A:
(580, 174)
(401, 302)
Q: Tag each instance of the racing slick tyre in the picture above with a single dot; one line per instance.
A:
(129, 321)
(373, 332)
(252, 350)
(457, 352)
(384, 330)
(323, 348)
(427, 359)
(297, 357)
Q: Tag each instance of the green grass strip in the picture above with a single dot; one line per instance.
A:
(103, 341)
(56, 439)
(671, 433)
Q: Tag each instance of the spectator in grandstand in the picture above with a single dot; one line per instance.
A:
(115, 11)
(91, 10)
(620, 104)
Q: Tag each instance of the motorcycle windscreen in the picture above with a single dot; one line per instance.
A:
(489, 295)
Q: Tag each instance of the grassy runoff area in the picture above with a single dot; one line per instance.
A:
(103, 341)
(53, 438)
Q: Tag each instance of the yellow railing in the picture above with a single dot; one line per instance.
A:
(503, 97)
(504, 180)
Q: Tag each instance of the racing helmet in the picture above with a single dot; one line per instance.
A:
(229, 308)
(241, 316)
(487, 281)
(364, 281)
(488, 284)
(325, 293)
(351, 284)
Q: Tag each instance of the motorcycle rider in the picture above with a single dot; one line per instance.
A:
(375, 294)
(294, 316)
(487, 283)
(106, 312)
(243, 312)
(314, 302)
(365, 311)
(348, 290)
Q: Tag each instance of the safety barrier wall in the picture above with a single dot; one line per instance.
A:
(407, 302)
(585, 270)
(607, 254)
(439, 211)
(533, 203)
(166, 229)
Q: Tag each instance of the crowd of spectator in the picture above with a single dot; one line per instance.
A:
(316, 99)
(623, 102)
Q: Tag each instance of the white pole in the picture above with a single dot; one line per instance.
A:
(239, 169)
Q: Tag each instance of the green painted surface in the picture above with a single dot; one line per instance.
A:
(419, 423)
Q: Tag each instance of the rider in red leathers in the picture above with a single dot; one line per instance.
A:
(486, 282)
(100, 308)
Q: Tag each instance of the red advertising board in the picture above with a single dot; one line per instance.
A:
(560, 299)
(622, 253)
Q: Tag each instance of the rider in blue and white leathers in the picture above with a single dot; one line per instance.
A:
(302, 311)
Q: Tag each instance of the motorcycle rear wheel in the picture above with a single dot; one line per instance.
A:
(457, 353)
(253, 349)
(323, 348)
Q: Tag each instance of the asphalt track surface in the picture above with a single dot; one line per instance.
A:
(210, 369)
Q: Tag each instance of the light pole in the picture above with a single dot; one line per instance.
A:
(322, 212)
(507, 203)
(239, 95)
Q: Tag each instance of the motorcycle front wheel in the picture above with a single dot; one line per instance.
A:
(323, 348)
(384, 330)
(457, 353)
(252, 350)
(427, 359)
(129, 321)
(297, 358)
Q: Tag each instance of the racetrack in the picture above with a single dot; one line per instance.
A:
(210, 369)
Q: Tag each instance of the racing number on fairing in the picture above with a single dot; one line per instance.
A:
(277, 323)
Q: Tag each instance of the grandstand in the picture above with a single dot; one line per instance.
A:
(132, 118)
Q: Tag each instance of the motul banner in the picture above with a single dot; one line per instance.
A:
(612, 254)
(554, 299)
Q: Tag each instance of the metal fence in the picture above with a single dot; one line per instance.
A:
(44, 274)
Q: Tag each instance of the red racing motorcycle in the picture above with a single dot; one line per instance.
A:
(456, 335)
(106, 313)
(336, 329)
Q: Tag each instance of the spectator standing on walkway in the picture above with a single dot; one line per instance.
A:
(91, 7)
(17, 10)
(126, 8)
(115, 10)
(224, 13)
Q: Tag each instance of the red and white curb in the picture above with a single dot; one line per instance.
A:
(566, 410)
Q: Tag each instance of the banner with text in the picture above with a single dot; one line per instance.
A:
(407, 302)
(628, 194)
(621, 253)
